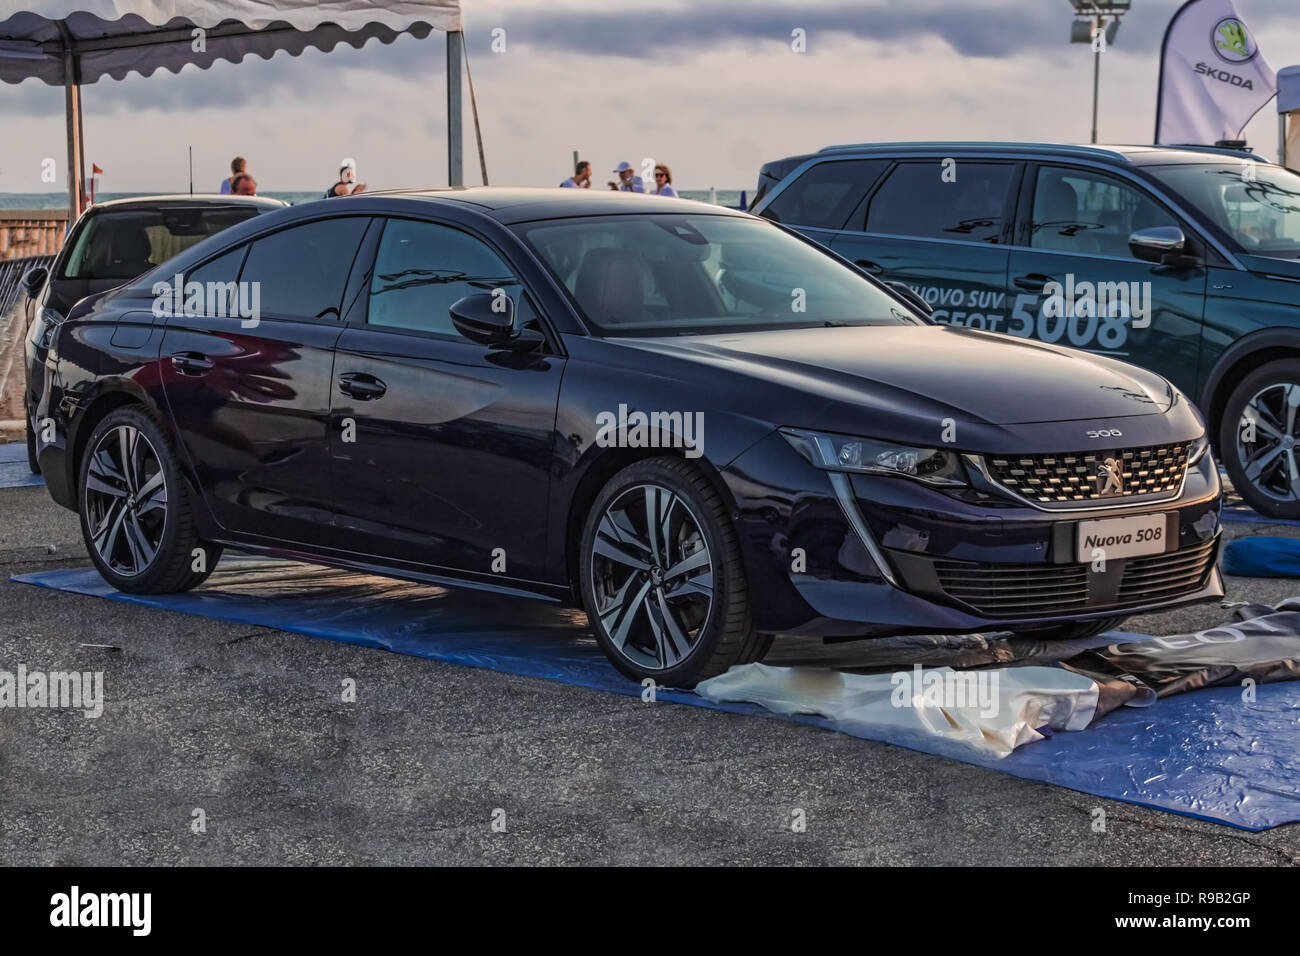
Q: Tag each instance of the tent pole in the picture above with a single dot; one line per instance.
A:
(81, 148)
(72, 109)
(455, 151)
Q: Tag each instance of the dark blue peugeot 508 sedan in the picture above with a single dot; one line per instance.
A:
(707, 430)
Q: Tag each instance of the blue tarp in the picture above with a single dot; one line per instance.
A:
(1263, 557)
(1205, 754)
(14, 472)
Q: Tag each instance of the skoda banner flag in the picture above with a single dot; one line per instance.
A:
(1213, 78)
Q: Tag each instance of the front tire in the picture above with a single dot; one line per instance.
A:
(136, 516)
(662, 576)
(1264, 470)
(32, 462)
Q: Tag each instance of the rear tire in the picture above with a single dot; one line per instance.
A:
(1075, 630)
(136, 515)
(662, 576)
(1261, 471)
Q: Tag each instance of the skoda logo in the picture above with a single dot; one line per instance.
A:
(1110, 478)
(1233, 42)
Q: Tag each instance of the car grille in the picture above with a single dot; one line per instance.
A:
(1074, 476)
(1017, 590)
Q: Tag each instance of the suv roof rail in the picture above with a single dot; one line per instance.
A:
(1245, 151)
(941, 145)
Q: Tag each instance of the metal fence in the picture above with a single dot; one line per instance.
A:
(11, 272)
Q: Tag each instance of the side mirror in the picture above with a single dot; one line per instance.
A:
(489, 319)
(32, 281)
(1164, 245)
(905, 293)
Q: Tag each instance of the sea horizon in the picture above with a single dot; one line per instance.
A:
(59, 200)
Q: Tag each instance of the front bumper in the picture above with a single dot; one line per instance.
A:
(845, 556)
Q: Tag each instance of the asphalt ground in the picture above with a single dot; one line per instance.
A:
(245, 728)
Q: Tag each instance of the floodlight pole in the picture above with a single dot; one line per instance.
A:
(1096, 72)
(455, 149)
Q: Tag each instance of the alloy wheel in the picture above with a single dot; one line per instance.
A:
(1270, 461)
(126, 500)
(652, 575)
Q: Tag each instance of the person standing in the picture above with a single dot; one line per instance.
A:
(664, 181)
(347, 184)
(581, 178)
(238, 166)
(628, 180)
(244, 185)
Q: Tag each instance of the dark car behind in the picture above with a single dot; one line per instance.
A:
(112, 243)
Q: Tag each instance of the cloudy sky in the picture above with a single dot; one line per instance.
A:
(712, 87)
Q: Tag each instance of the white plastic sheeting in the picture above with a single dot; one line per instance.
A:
(993, 710)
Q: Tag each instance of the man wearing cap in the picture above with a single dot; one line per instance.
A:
(628, 180)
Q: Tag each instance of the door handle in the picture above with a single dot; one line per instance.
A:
(362, 387)
(1034, 282)
(866, 265)
(191, 363)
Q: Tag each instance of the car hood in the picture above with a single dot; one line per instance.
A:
(930, 370)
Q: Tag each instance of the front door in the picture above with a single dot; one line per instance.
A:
(442, 448)
(1076, 282)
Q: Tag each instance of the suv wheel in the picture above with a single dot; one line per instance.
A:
(1257, 438)
(136, 516)
(662, 576)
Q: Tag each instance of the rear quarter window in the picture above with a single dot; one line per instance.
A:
(124, 244)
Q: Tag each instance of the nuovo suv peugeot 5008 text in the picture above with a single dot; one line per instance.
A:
(1185, 261)
(708, 430)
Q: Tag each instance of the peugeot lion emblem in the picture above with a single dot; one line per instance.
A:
(1110, 478)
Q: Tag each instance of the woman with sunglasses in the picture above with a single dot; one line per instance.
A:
(664, 181)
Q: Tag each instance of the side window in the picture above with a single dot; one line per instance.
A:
(918, 200)
(301, 271)
(421, 268)
(1086, 212)
(217, 276)
(825, 194)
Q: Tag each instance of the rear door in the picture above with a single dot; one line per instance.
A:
(941, 226)
(1076, 282)
(442, 448)
(250, 395)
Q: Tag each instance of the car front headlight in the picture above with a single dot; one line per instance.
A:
(935, 466)
(1196, 451)
(49, 321)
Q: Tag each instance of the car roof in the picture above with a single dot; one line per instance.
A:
(1131, 154)
(512, 204)
(187, 199)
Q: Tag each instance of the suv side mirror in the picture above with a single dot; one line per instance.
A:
(488, 318)
(32, 281)
(1163, 245)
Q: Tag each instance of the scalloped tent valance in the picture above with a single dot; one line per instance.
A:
(70, 43)
(116, 37)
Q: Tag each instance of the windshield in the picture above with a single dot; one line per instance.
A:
(123, 244)
(1257, 204)
(680, 274)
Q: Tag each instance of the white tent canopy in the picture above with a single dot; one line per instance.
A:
(74, 42)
